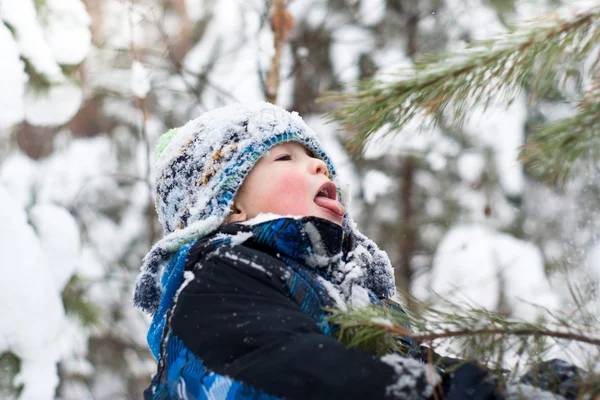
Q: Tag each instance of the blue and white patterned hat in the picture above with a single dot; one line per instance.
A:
(200, 168)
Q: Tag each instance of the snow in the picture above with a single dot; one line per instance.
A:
(382, 321)
(18, 174)
(475, 201)
(56, 106)
(334, 293)
(106, 234)
(593, 259)
(470, 17)
(574, 8)
(417, 137)
(236, 258)
(60, 36)
(319, 256)
(529, 9)
(391, 61)
(80, 174)
(40, 239)
(195, 10)
(376, 183)
(470, 166)
(371, 12)
(264, 217)
(434, 207)
(520, 391)
(21, 15)
(348, 43)
(30, 304)
(181, 193)
(115, 79)
(471, 258)
(410, 375)
(231, 59)
(303, 52)
(12, 80)
(315, 14)
(70, 174)
(59, 240)
(140, 82)
(437, 161)
(238, 238)
(359, 296)
(122, 24)
(80, 366)
(66, 30)
(89, 266)
(502, 128)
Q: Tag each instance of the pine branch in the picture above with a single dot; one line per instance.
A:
(490, 332)
(540, 50)
(380, 336)
(554, 149)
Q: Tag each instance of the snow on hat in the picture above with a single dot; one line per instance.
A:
(200, 167)
(204, 163)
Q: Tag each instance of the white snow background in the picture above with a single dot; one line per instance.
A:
(51, 229)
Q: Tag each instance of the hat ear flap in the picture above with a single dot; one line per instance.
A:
(380, 274)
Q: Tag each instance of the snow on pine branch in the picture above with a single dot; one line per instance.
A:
(452, 84)
(35, 44)
(488, 335)
(552, 150)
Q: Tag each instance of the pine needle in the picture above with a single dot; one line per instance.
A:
(487, 335)
(537, 54)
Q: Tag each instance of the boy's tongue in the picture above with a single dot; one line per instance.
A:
(333, 205)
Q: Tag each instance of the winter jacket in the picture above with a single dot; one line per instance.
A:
(247, 321)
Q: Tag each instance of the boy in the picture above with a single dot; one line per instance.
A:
(257, 242)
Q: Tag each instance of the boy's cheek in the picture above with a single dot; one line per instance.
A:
(288, 194)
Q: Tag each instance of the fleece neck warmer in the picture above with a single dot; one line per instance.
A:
(334, 265)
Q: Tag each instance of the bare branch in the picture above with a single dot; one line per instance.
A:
(281, 22)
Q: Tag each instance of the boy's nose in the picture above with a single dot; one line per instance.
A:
(318, 166)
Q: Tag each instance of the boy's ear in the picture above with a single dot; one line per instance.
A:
(237, 214)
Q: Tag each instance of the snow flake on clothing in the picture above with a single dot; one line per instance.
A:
(415, 380)
(238, 238)
(250, 263)
(517, 392)
(342, 264)
(149, 289)
(173, 279)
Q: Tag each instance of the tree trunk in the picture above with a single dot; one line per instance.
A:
(281, 21)
(408, 235)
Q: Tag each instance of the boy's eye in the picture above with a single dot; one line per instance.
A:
(283, 157)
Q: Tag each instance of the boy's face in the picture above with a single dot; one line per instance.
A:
(288, 180)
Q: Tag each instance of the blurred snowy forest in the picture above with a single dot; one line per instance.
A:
(87, 86)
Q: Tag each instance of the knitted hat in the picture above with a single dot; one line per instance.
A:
(200, 167)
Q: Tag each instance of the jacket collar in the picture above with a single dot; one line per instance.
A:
(314, 241)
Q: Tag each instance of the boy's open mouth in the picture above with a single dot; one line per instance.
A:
(326, 197)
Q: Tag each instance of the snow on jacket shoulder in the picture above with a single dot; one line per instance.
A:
(250, 324)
